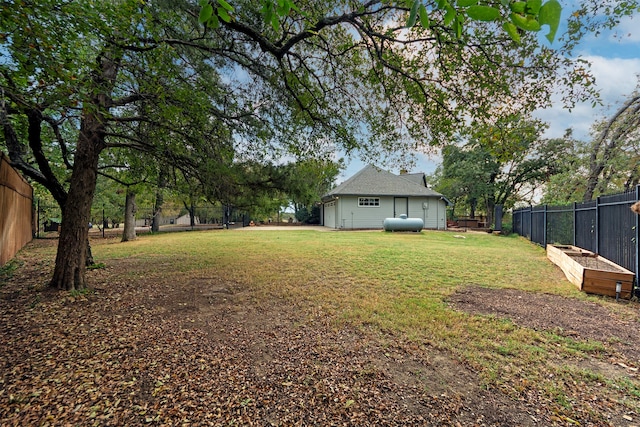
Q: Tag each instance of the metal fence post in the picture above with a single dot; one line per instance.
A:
(575, 220)
(637, 237)
(544, 227)
(530, 222)
(597, 251)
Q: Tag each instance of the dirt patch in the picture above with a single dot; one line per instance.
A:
(157, 348)
(163, 348)
(570, 317)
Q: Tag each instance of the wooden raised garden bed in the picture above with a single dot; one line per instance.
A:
(590, 272)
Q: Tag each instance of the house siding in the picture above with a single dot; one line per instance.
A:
(344, 213)
(432, 211)
(352, 216)
(397, 195)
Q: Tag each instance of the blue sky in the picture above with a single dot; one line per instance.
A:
(615, 63)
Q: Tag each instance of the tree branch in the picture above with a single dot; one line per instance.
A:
(63, 145)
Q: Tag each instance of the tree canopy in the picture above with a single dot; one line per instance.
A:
(499, 165)
(608, 163)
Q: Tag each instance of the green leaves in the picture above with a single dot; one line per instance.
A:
(527, 23)
(273, 10)
(550, 15)
(424, 16)
(512, 30)
(205, 13)
(449, 15)
(223, 11)
(532, 15)
(533, 6)
(224, 15)
(413, 14)
(225, 5)
(518, 7)
(524, 15)
(483, 13)
(515, 16)
(528, 15)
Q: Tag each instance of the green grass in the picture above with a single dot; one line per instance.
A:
(7, 270)
(393, 282)
(394, 279)
(397, 282)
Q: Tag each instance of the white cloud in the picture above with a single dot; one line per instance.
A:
(616, 79)
(628, 31)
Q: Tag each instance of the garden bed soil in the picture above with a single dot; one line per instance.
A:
(596, 263)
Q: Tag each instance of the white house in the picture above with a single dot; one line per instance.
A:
(371, 195)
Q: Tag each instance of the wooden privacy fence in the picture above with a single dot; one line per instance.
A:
(606, 226)
(16, 211)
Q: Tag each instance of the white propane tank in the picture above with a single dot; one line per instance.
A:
(403, 224)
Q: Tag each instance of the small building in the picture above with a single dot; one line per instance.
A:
(186, 220)
(373, 194)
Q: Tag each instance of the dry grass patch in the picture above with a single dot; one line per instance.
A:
(343, 321)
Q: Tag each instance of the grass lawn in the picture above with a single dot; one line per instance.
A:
(395, 289)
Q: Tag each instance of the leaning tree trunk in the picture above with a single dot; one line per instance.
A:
(129, 232)
(71, 258)
(191, 208)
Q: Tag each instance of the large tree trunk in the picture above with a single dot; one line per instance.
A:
(71, 258)
(191, 208)
(44, 175)
(72, 253)
(192, 216)
(129, 232)
(491, 207)
(157, 207)
(157, 211)
(472, 205)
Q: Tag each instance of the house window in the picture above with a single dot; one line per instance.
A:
(369, 202)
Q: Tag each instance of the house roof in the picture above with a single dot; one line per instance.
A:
(373, 181)
(418, 178)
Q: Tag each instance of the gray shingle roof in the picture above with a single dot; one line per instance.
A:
(418, 177)
(373, 181)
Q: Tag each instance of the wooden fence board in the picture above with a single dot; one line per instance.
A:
(16, 211)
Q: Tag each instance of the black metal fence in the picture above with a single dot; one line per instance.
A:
(49, 217)
(606, 226)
